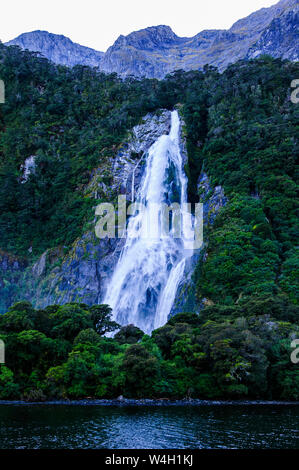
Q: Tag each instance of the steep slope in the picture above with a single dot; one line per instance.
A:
(57, 48)
(151, 52)
(279, 38)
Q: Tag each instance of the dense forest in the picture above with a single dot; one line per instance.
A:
(241, 129)
(235, 352)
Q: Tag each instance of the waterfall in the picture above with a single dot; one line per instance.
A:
(145, 281)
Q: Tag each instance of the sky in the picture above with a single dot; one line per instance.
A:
(98, 23)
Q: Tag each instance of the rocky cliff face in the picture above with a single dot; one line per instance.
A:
(57, 48)
(148, 52)
(82, 273)
(127, 168)
(155, 51)
(279, 38)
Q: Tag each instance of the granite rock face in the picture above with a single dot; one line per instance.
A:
(156, 51)
(57, 48)
(213, 199)
(279, 39)
(80, 276)
(123, 173)
(127, 168)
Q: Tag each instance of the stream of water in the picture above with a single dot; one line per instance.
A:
(151, 266)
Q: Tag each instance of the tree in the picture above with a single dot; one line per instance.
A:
(87, 336)
(129, 334)
(69, 320)
(101, 319)
(21, 316)
(9, 389)
(141, 371)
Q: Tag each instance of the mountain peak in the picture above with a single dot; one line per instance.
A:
(57, 48)
(148, 38)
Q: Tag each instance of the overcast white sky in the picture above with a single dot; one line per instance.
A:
(97, 23)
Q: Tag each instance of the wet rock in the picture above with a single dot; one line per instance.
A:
(82, 274)
(213, 199)
(127, 169)
(40, 266)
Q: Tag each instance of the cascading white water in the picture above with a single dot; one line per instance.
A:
(145, 281)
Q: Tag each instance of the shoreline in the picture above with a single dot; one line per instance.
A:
(121, 402)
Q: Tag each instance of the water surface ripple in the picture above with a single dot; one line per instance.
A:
(210, 427)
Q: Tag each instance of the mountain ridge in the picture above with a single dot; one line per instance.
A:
(57, 48)
(155, 51)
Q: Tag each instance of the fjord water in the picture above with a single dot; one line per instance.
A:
(181, 427)
(145, 281)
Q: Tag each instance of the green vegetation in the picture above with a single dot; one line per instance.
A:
(71, 120)
(241, 129)
(226, 352)
(249, 146)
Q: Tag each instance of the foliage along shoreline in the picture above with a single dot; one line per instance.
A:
(61, 352)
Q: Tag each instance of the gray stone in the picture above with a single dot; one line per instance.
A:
(128, 165)
(39, 267)
(57, 48)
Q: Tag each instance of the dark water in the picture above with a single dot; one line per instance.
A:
(35, 427)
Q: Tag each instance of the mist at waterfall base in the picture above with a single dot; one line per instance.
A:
(152, 264)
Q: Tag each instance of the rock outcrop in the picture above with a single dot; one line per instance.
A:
(279, 38)
(127, 168)
(156, 51)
